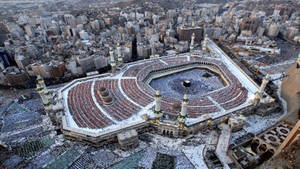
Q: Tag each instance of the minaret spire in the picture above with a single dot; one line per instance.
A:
(264, 83)
(192, 42)
(183, 113)
(258, 95)
(44, 93)
(112, 60)
(41, 83)
(204, 43)
(120, 58)
(157, 109)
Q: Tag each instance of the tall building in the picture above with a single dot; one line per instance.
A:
(185, 34)
(273, 30)
(16, 77)
(86, 63)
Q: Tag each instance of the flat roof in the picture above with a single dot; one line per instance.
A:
(85, 111)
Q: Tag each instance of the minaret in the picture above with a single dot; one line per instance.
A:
(157, 110)
(46, 97)
(170, 26)
(183, 113)
(258, 95)
(120, 58)
(204, 43)
(44, 93)
(41, 84)
(153, 51)
(39, 88)
(264, 83)
(192, 42)
(112, 61)
(236, 26)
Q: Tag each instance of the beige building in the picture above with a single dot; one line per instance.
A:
(52, 69)
(290, 91)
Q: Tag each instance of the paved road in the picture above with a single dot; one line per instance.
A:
(223, 144)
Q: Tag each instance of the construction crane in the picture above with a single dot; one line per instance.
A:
(257, 96)
(282, 76)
